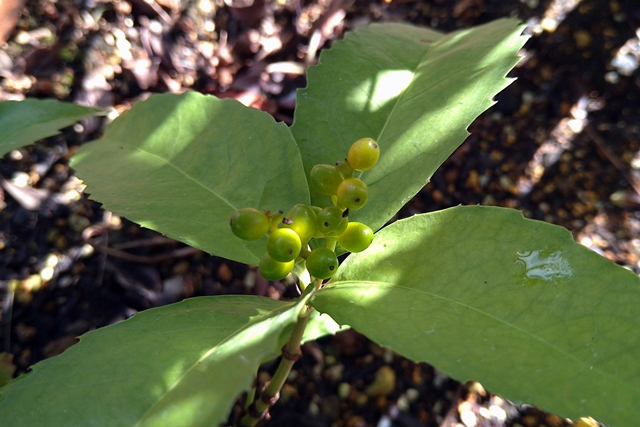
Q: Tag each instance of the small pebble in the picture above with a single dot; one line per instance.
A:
(412, 394)
(439, 378)
(498, 413)
(484, 413)
(25, 333)
(384, 422)
(224, 273)
(403, 403)
(530, 421)
(582, 38)
(334, 373)
(344, 389)
(384, 383)
(362, 399)
(32, 284)
(180, 268)
(287, 392)
(47, 273)
(468, 418)
(553, 420)
(314, 410)
(586, 422)
(172, 287)
(250, 279)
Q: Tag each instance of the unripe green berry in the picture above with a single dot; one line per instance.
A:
(273, 270)
(363, 154)
(322, 263)
(325, 179)
(352, 193)
(344, 168)
(356, 238)
(249, 224)
(332, 221)
(283, 245)
(302, 219)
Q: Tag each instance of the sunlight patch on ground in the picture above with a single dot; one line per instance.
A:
(559, 140)
(553, 16)
(626, 59)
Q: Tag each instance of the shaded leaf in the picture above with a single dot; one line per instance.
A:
(182, 164)
(484, 294)
(25, 122)
(182, 364)
(413, 90)
(321, 324)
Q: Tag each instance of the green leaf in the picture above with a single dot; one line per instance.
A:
(25, 122)
(178, 365)
(413, 90)
(482, 293)
(320, 325)
(182, 164)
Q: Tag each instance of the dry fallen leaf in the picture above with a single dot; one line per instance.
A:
(9, 14)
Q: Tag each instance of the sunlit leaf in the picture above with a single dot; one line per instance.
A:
(413, 90)
(182, 164)
(178, 365)
(484, 294)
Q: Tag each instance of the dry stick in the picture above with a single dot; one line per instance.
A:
(95, 230)
(271, 392)
(615, 161)
(160, 11)
(151, 241)
(178, 253)
(452, 413)
(7, 315)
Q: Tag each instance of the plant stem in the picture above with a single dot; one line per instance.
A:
(271, 392)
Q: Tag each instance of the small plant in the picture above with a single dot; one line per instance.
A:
(331, 223)
(479, 292)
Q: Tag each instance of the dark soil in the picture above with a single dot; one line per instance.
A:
(561, 145)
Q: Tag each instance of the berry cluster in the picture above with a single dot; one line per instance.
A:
(288, 235)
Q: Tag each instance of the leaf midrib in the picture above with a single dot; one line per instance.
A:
(356, 283)
(167, 162)
(429, 48)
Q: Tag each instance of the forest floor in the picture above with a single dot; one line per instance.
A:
(562, 145)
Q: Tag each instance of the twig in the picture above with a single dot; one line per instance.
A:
(152, 241)
(7, 314)
(454, 406)
(160, 11)
(89, 233)
(178, 253)
(602, 145)
(291, 352)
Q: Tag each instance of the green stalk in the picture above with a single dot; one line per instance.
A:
(270, 394)
(331, 243)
